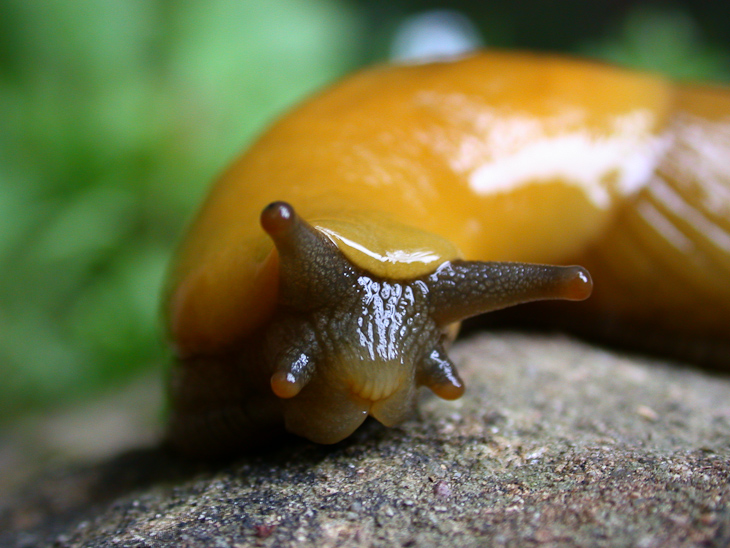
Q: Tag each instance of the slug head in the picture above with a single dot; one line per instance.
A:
(344, 343)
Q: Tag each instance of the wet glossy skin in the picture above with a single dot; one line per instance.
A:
(342, 343)
(420, 155)
(665, 258)
(401, 171)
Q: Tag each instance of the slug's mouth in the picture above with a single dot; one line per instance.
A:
(374, 388)
(331, 407)
(388, 396)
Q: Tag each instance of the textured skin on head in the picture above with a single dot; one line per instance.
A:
(344, 343)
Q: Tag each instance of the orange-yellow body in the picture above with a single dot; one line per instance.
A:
(493, 157)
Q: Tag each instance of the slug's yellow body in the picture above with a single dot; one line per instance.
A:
(405, 169)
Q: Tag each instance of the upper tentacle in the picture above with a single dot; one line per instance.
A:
(308, 261)
(461, 289)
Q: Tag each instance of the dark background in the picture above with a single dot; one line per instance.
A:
(115, 115)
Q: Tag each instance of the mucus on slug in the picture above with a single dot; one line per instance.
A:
(337, 303)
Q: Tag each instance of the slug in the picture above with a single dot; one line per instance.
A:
(328, 269)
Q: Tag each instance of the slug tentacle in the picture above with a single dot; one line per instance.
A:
(440, 375)
(308, 260)
(461, 289)
(293, 351)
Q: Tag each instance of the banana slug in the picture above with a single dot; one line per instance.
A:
(327, 271)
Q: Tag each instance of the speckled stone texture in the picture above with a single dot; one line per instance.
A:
(556, 443)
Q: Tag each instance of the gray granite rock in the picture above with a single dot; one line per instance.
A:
(555, 443)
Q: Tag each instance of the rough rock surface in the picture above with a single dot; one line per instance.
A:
(556, 443)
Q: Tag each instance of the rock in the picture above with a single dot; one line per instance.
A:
(555, 443)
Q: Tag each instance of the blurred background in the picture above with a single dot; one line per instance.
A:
(115, 116)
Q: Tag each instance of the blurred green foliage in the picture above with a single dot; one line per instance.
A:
(663, 40)
(116, 114)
